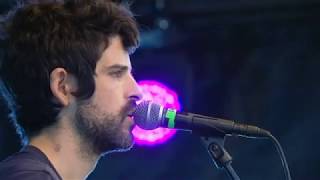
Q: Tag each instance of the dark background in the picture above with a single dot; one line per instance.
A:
(253, 61)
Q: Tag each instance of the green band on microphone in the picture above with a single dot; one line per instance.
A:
(171, 115)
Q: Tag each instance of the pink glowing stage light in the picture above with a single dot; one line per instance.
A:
(159, 93)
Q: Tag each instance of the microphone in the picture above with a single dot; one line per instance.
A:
(149, 115)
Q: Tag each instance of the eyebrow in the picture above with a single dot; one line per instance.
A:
(116, 67)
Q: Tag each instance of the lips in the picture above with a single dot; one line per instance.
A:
(131, 122)
(130, 117)
(130, 108)
(130, 113)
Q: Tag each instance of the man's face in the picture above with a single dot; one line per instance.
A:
(103, 121)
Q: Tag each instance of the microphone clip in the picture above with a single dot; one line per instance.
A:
(221, 158)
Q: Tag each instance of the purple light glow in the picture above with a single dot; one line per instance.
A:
(159, 93)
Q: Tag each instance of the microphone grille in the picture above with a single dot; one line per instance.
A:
(148, 115)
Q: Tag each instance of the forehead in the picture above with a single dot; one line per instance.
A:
(114, 54)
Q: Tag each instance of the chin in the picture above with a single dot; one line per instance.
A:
(121, 148)
(126, 143)
(119, 141)
(129, 142)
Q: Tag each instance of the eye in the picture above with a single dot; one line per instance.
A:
(117, 71)
(117, 74)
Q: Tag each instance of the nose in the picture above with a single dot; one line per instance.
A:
(135, 90)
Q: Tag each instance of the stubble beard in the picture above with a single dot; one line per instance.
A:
(101, 133)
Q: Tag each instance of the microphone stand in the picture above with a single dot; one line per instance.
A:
(219, 155)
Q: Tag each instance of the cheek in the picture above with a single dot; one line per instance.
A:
(109, 96)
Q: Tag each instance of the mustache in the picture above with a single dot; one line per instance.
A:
(129, 108)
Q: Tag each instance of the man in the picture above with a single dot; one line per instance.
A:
(72, 93)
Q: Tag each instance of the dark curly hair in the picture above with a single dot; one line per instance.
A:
(71, 35)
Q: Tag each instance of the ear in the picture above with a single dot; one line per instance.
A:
(62, 84)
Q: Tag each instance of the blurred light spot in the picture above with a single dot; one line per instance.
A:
(161, 94)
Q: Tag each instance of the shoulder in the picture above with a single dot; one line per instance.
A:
(25, 175)
(23, 169)
(27, 164)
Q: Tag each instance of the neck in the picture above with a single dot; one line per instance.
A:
(66, 153)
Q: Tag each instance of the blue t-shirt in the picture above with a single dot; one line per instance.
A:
(28, 164)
